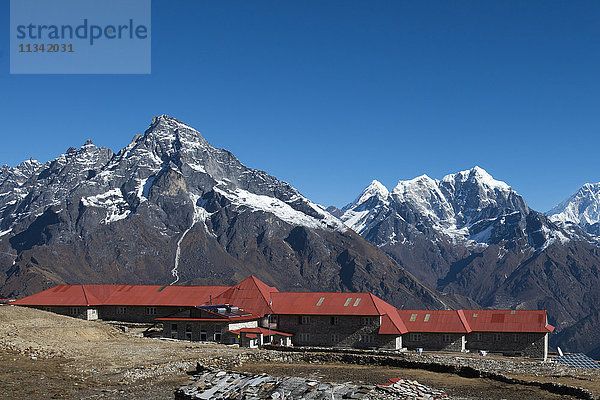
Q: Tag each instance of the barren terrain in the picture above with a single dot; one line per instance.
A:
(44, 355)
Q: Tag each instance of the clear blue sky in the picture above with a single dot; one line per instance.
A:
(328, 95)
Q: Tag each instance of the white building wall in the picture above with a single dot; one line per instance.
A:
(239, 325)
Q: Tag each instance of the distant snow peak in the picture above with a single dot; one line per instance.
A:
(464, 206)
(582, 208)
(476, 174)
(420, 183)
(375, 189)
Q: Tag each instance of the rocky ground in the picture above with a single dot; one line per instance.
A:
(44, 355)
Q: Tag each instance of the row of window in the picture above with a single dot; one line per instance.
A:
(304, 337)
(188, 333)
(417, 337)
(476, 337)
(366, 321)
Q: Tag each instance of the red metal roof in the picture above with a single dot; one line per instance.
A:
(251, 294)
(508, 321)
(324, 303)
(435, 321)
(264, 331)
(124, 295)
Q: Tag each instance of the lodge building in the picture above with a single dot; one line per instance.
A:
(252, 313)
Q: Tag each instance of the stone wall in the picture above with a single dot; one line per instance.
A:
(434, 341)
(532, 345)
(137, 313)
(196, 330)
(75, 312)
(336, 331)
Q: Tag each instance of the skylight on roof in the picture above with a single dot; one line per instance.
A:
(413, 317)
(474, 315)
(356, 302)
(513, 311)
(320, 301)
(347, 303)
(427, 317)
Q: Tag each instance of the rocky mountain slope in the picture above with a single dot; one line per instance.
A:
(169, 208)
(471, 235)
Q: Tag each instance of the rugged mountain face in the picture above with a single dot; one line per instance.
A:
(473, 236)
(582, 210)
(170, 208)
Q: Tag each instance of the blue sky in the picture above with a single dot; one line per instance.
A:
(328, 95)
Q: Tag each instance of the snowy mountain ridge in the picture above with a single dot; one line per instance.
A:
(469, 206)
(116, 184)
(582, 209)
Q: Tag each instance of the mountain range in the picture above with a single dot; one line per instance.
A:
(170, 208)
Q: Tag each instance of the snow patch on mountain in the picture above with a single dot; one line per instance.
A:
(112, 201)
(281, 209)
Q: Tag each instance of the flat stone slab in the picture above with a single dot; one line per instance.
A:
(219, 384)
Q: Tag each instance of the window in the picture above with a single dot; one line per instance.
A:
(174, 327)
(348, 301)
(188, 327)
(478, 337)
(531, 337)
(320, 301)
(304, 337)
(413, 317)
(273, 319)
(74, 310)
(217, 336)
(356, 302)
(515, 337)
(203, 336)
(335, 338)
(47, 308)
(366, 321)
(180, 309)
(121, 310)
(497, 337)
(474, 315)
(150, 310)
(426, 319)
(446, 338)
(415, 337)
(335, 320)
(366, 338)
(305, 319)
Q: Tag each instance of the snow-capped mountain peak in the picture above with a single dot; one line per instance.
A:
(375, 189)
(476, 175)
(582, 208)
(469, 206)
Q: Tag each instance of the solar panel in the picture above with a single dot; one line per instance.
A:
(578, 360)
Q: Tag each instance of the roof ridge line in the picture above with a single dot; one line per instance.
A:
(87, 303)
(463, 320)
